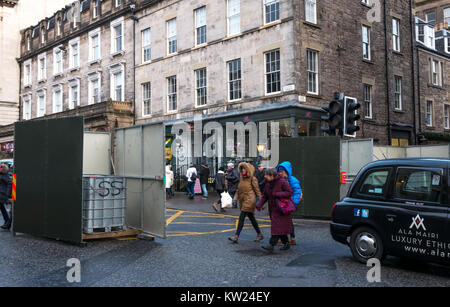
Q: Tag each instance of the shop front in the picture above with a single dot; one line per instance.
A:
(7, 150)
(293, 120)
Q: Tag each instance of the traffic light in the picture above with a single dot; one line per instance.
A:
(351, 117)
(335, 117)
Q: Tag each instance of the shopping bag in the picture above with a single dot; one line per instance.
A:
(227, 201)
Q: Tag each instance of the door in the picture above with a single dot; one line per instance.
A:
(418, 223)
(139, 155)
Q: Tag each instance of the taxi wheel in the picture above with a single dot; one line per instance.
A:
(365, 244)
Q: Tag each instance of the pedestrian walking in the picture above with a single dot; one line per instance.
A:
(191, 176)
(247, 194)
(204, 177)
(232, 181)
(285, 169)
(169, 181)
(259, 174)
(219, 184)
(276, 190)
(5, 185)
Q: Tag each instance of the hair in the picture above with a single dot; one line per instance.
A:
(222, 169)
(271, 172)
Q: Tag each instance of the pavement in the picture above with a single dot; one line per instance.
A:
(198, 254)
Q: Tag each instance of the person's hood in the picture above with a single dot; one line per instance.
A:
(248, 167)
(221, 172)
(4, 169)
(286, 166)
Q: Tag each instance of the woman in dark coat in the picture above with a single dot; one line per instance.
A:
(5, 185)
(276, 189)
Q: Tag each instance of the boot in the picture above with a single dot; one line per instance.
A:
(5, 226)
(234, 239)
(293, 241)
(285, 247)
(216, 207)
(268, 248)
(223, 210)
(259, 238)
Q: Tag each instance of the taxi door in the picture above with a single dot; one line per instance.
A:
(417, 225)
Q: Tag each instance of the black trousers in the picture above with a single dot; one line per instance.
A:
(220, 197)
(274, 239)
(5, 214)
(252, 219)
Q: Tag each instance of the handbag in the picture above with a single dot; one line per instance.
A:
(286, 205)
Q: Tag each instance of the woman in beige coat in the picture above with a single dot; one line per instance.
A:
(247, 195)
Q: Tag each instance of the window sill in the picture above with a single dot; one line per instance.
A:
(232, 36)
(171, 112)
(171, 55)
(368, 61)
(117, 53)
(272, 95)
(199, 46)
(42, 80)
(94, 62)
(57, 75)
(313, 95)
(397, 52)
(399, 111)
(235, 100)
(202, 107)
(74, 69)
(435, 86)
(270, 24)
(369, 120)
(311, 24)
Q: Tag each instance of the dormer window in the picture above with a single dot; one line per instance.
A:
(95, 11)
(43, 35)
(58, 27)
(118, 3)
(28, 43)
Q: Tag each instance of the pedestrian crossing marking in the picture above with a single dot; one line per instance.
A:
(222, 220)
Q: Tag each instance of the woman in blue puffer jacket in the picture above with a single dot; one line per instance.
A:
(285, 169)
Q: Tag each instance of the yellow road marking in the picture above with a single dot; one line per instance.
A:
(192, 214)
(193, 223)
(173, 217)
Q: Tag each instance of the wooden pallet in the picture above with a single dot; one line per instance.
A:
(111, 235)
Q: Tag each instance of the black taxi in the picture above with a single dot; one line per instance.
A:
(397, 207)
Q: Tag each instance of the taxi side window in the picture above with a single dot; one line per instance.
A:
(421, 185)
(375, 183)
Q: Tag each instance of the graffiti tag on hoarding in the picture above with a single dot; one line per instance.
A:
(114, 189)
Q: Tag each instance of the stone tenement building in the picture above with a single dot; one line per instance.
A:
(80, 62)
(277, 60)
(14, 16)
(434, 12)
(433, 54)
(227, 60)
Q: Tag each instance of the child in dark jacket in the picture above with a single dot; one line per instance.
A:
(285, 169)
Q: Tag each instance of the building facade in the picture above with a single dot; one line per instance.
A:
(434, 12)
(14, 16)
(214, 57)
(81, 56)
(433, 62)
